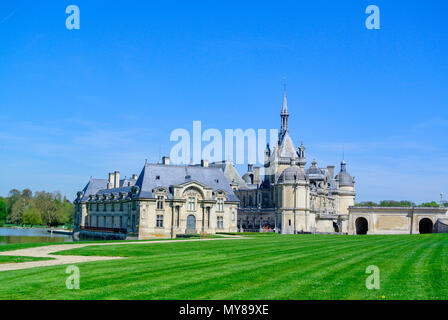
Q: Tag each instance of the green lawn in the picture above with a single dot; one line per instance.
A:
(264, 267)
(14, 259)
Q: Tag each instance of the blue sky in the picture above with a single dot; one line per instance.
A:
(81, 103)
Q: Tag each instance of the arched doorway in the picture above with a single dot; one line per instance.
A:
(335, 227)
(191, 224)
(426, 226)
(362, 226)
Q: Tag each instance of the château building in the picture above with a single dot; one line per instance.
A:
(163, 201)
(169, 200)
(291, 198)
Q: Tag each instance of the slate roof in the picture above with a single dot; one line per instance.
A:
(230, 173)
(159, 175)
(287, 148)
(93, 187)
(291, 174)
(166, 176)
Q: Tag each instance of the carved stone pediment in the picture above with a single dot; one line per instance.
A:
(193, 192)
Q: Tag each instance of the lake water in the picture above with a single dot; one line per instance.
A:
(11, 235)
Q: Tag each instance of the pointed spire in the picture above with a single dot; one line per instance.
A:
(284, 114)
(285, 102)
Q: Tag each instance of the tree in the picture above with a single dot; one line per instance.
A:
(48, 207)
(13, 197)
(19, 207)
(430, 204)
(367, 204)
(31, 216)
(27, 193)
(67, 212)
(3, 209)
(392, 203)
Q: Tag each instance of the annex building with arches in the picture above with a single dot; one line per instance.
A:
(396, 220)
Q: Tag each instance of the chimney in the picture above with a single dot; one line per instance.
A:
(117, 179)
(250, 167)
(331, 171)
(111, 183)
(257, 175)
(166, 161)
(204, 163)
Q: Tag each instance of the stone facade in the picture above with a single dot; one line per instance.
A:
(163, 201)
(412, 220)
(290, 198)
(168, 200)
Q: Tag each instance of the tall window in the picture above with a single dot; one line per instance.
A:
(159, 202)
(104, 222)
(159, 221)
(220, 204)
(97, 207)
(113, 222)
(121, 206)
(191, 205)
(104, 207)
(113, 206)
(220, 222)
(121, 222)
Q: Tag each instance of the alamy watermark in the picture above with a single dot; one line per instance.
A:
(72, 281)
(213, 145)
(373, 280)
(373, 20)
(73, 21)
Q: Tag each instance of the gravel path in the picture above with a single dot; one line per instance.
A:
(44, 252)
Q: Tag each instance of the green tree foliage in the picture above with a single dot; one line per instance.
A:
(3, 210)
(392, 203)
(430, 204)
(32, 216)
(19, 207)
(49, 207)
(13, 197)
(41, 208)
(367, 204)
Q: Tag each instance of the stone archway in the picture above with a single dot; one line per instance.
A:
(362, 226)
(426, 226)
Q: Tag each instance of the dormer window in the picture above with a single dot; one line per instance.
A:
(157, 177)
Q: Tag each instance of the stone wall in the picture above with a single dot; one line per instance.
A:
(393, 220)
